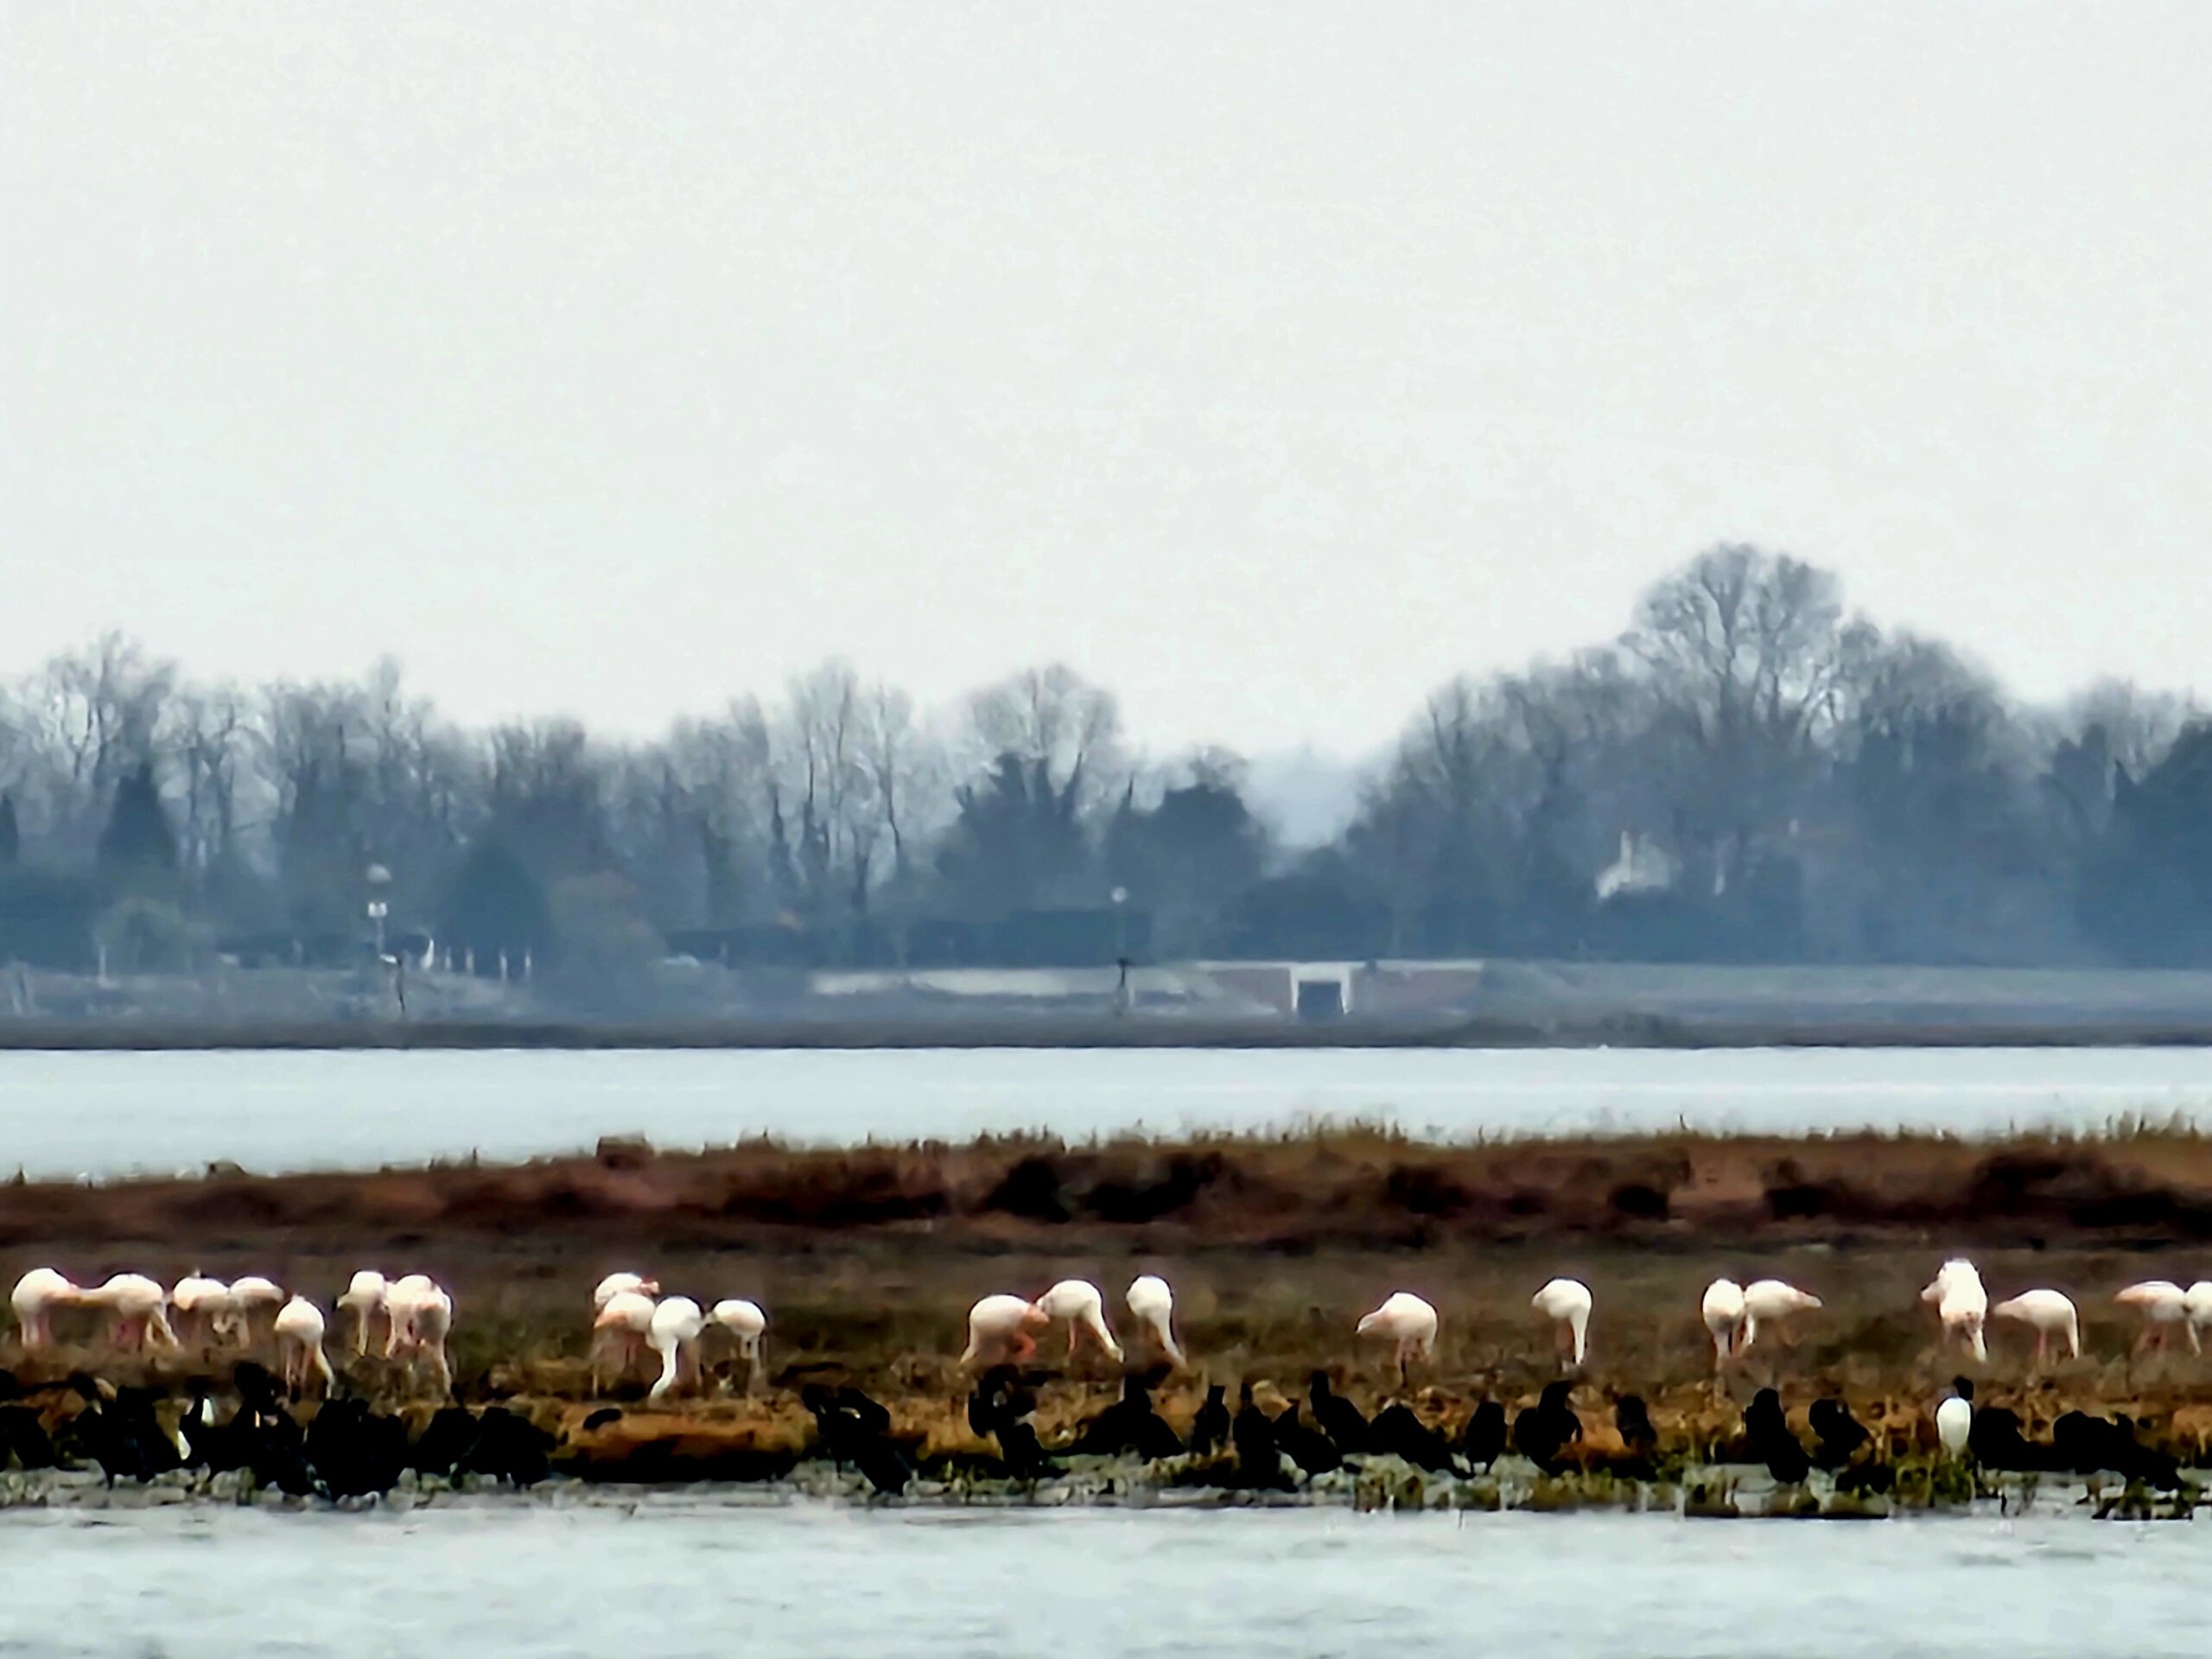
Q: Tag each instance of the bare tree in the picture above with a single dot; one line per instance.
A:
(93, 716)
(725, 768)
(892, 752)
(1054, 716)
(1743, 648)
(823, 740)
(210, 733)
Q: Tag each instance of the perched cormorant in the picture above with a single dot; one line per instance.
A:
(1774, 1443)
(1548, 1428)
(1838, 1433)
(1339, 1418)
(1484, 1439)
(1210, 1428)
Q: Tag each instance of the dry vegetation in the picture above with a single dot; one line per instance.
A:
(868, 1258)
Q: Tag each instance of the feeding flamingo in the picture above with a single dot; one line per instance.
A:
(1722, 1310)
(1151, 1305)
(999, 1328)
(1079, 1304)
(1770, 1301)
(2049, 1313)
(2163, 1305)
(674, 1335)
(616, 1284)
(139, 1305)
(745, 1321)
(299, 1330)
(248, 1316)
(1406, 1320)
(625, 1320)
(364, 1303)
(200, 1304)
(37, 1294)
(421, 1318)
(1567, 1304)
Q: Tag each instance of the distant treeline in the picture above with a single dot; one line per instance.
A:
(1748, 773)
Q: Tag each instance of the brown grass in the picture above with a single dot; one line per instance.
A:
(868, 1258)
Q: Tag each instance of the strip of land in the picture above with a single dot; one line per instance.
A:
(1625, 1030)
(868, 1259)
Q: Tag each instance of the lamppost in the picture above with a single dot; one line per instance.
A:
(379, 884)
(1120, 896)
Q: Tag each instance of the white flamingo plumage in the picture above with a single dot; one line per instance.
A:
(1962, 1304)
(1151, 1305)
(250, 1310)
(1772, 1302)
(999, 1328)
(1722, 1310)
(2049, 1313)
(35, 1296)
(1566, 1303)
(139, 1307)
(364, 1303)
(624, 1321)
(199, 1304)
(422, 1319)
(745, 1321)
(2163, 1305)
(1079, 1304)
(616, 1284)
(2196, 1303)
(674, 1336)
(299, 1331)
(1408, 1321)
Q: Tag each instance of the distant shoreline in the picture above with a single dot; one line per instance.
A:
(1620, 1032)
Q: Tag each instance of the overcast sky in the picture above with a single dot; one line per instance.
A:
(1270, 363)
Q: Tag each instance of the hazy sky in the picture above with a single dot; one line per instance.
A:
(1268, 363)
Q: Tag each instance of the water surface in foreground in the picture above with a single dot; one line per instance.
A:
(67, 1114)
(675, 1578)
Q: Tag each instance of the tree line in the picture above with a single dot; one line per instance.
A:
(1749, 772)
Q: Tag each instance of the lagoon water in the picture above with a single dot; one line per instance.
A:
(675, 1578)
(101, 1115)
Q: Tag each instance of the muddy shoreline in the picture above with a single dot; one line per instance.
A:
(1375, 1486)
(1622, 1030)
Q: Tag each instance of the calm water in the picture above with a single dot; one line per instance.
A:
(674, 1580)
(105, 1114)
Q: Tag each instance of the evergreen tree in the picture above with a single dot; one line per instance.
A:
(137, 849)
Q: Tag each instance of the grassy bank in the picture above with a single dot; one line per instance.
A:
(868, 1258)
(2137, 1186)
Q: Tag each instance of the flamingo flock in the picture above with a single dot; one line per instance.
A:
(251, 1315)
(630, 1320)
(638, 1333)
(409, 1321)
